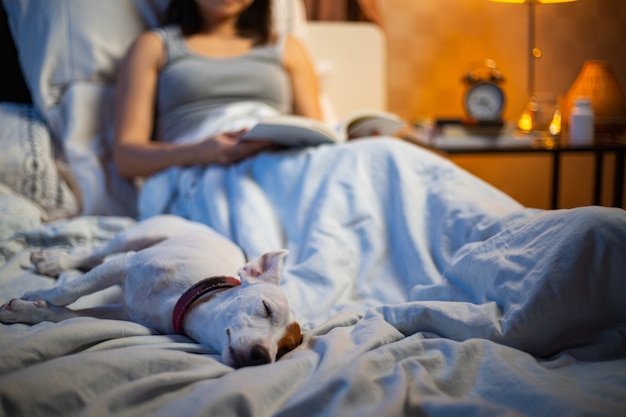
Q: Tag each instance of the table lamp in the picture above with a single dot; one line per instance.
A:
(534, 52)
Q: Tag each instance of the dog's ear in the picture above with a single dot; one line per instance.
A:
(265, 268)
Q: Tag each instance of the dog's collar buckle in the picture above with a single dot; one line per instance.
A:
(196, 291)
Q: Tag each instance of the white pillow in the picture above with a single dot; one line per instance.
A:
(68, 40)
(27, 164)
(84, 121)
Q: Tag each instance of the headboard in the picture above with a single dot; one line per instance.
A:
(351, 57)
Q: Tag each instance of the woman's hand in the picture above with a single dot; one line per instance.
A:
(227, 148)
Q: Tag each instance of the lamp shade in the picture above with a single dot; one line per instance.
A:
(598, 82)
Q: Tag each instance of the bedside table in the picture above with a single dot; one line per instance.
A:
(510, 142)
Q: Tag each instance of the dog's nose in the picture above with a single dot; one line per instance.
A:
(259, 355)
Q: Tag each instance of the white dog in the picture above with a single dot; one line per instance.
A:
(177, 276)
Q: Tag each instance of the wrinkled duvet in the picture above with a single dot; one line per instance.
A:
(422, 291)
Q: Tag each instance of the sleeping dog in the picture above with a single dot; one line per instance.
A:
(177, 276)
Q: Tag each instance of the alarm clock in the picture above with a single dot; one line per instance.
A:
(484, 98)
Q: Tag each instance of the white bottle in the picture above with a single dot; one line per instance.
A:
(581, 122)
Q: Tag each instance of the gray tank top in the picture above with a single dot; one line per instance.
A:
(190, 85)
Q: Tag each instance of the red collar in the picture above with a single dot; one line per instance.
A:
(196, 291)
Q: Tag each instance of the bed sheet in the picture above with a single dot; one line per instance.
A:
(422, 291)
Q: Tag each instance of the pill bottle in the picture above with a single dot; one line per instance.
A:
(581, 122)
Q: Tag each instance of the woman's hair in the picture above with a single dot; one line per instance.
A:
(254, 22)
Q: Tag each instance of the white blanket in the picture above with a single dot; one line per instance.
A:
(381, 222)
(423, 291)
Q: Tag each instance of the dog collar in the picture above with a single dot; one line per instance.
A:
(196, 291)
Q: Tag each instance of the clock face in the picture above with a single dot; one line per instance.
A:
(484, 102)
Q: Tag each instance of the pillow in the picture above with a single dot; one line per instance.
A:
(63, 41)
(84, 121)
(27, 165)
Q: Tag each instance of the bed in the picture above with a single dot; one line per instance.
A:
(421, 289)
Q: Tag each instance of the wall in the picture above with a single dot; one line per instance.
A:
(431, 43)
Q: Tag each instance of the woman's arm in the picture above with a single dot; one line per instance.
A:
(304, 81)
(135, 154)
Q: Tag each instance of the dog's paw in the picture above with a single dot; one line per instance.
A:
(23, 311)
(49, 262)
(55, 296)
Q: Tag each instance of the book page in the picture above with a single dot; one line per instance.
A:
(292, 131)
(374, 126)
(372, 123)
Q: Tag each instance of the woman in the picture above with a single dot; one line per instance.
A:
(212, 53)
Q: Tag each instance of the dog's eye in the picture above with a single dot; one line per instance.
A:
(268, 309)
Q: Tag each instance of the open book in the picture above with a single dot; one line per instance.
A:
(298, 131)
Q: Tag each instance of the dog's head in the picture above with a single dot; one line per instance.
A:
(260, 326)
